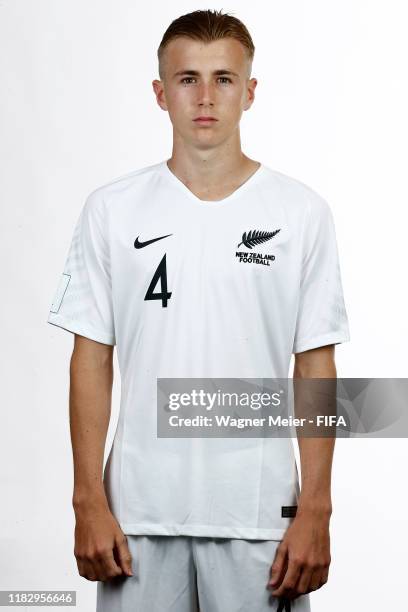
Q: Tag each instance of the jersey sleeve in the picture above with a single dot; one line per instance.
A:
(82, 301)
(321, 317)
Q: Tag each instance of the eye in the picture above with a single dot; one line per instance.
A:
(188, 80)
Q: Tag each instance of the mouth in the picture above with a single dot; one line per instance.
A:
(203, 120)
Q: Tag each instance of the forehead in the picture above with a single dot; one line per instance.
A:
(183, 52)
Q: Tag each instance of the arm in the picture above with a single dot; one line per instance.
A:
(97, 533)
(316, 454)
(306, 545)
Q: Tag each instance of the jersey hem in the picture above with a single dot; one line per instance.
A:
(322, 340)
(206, 531)
(76, 328)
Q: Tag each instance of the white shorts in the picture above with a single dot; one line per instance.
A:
(196, 574)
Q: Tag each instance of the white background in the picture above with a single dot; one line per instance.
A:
(77, 110)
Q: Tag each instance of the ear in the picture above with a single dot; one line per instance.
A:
(158, 89)
(252, 83)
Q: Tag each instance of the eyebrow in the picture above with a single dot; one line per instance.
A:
(196, 73)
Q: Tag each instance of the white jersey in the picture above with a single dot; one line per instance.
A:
(191, 288)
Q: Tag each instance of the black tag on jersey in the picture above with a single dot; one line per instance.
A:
(289, 511)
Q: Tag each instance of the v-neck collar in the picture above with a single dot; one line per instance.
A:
(253, 178)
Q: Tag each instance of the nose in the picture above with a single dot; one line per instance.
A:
(205, 94)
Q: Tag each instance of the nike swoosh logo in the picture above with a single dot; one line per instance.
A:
(140, 245)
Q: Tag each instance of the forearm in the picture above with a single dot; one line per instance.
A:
(91, 377)
(316, 457)
(316, 453)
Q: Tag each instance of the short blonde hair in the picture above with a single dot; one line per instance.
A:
(206, 26)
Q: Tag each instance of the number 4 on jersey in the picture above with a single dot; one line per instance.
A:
(160, 274)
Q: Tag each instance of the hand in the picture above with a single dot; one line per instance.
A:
(101, 548)
(302, 559)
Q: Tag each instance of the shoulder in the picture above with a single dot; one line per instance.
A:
(121, 187)
(296, 193)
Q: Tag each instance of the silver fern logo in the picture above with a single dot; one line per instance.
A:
(254, 237)
(251, 239)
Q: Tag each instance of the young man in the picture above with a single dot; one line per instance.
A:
(162, 265)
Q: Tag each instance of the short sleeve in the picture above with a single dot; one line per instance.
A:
(82, 301)
(321, 317)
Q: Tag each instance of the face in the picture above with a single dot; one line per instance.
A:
(205, 80)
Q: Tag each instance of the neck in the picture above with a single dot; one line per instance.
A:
(211, 173)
